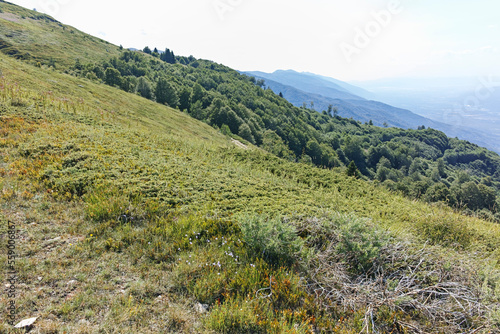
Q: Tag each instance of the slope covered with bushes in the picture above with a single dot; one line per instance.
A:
(423, 163)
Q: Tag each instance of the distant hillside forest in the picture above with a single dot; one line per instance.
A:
(422, 164)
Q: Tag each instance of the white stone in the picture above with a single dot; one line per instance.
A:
(26, 323)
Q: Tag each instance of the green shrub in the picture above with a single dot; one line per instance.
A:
(272, 239)
(346, 238)
(224, 129)
(359, 242)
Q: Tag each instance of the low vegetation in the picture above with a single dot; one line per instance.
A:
(422, 164)
(136, 217)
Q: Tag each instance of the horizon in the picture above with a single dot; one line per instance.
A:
(359, 41)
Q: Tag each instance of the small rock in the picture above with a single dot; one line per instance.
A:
(26, 323)
(54, 240)
(40, 278)
(201, 308)
(51, 242)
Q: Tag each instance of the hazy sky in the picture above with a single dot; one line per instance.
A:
(348, 40)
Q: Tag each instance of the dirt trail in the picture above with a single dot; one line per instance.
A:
(239, 144)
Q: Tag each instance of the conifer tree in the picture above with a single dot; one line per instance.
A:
(352, 170)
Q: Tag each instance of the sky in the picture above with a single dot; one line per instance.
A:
(352, 40)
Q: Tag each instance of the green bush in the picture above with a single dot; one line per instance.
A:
(224, 129)
(346, 238)
(359, 242)
(272, 239)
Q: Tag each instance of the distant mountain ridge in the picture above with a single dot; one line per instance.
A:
(299, 88)
(308, 83)
(349, 87)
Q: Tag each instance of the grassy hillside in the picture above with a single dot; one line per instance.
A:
(37, 37)
(132, 216)
(423, 164)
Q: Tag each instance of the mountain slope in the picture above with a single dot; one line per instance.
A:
(307, 83)
(131, 215)
(37, 37)
(360, 110)
(238, 105)
(111, 184)
(350, 88)
(446, 100)
(306, 91)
